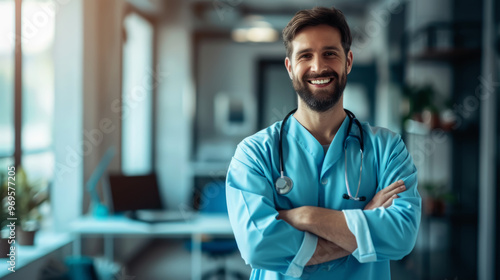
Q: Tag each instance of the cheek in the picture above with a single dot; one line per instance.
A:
(299, 72)
(339, 70)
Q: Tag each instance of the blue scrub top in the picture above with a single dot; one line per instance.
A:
(275, 249)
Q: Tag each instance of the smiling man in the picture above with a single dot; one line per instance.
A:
(321, 195)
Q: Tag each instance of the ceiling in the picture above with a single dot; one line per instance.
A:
(228, 13)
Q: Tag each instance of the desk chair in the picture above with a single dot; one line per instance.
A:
(213, 200)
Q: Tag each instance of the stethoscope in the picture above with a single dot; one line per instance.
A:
(284, 184)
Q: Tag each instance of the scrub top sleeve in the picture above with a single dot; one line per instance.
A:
(264, 242)
(389, 233)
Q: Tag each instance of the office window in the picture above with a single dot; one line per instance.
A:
(7, 28)
(37, 88)
(137, 87)
(36, 91)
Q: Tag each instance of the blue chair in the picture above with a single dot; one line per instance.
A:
(213, 200)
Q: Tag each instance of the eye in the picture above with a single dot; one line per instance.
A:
(330, 53)
(306, 55)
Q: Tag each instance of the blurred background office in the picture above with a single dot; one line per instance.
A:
(175, 85)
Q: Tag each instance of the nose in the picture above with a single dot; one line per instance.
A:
(318, 65)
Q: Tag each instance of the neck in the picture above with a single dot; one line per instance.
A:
(323, 126)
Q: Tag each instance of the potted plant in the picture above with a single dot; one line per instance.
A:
(425, 105)
(29, 198)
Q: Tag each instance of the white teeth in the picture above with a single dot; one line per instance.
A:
(320, 82)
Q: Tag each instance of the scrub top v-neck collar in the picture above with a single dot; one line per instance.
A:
(307, 141)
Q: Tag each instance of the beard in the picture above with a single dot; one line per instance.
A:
(322, 99)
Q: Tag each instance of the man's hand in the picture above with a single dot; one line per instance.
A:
(326, 251)
(385, 197)
(330, 224)
(326, 223)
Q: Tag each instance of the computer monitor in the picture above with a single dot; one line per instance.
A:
(131, 193)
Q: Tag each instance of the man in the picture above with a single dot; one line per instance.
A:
(316, 230)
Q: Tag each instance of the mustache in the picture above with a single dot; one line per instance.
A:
(321, 75)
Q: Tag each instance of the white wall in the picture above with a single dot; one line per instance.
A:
(175, 105)
(375, 46)
(231, 68)
(66, 192)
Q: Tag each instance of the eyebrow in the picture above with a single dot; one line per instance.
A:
(334, 48)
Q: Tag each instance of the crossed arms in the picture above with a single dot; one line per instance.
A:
(335, 240)
(286, 244)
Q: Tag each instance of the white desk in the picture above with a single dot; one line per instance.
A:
(109, 227)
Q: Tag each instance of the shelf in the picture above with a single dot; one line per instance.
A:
(446, 55)
(445, 42)
(46, 242)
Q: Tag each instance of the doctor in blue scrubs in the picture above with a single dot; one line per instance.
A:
(320, 195)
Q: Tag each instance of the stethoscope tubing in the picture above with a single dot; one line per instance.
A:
(284, 184)
(282, 165)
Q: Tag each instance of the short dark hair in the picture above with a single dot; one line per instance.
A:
(313, 17)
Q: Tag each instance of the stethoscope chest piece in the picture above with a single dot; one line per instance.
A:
(283, 185)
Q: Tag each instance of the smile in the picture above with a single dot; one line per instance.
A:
(320, 82)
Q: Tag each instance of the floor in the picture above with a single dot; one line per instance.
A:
(169, 259)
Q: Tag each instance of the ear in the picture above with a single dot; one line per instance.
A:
(349, 61)
(288, 66)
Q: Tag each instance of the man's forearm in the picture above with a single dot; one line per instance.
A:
(326, 223)
(330, 225)
(326, 251)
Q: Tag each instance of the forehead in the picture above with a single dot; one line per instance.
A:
(317, 37)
